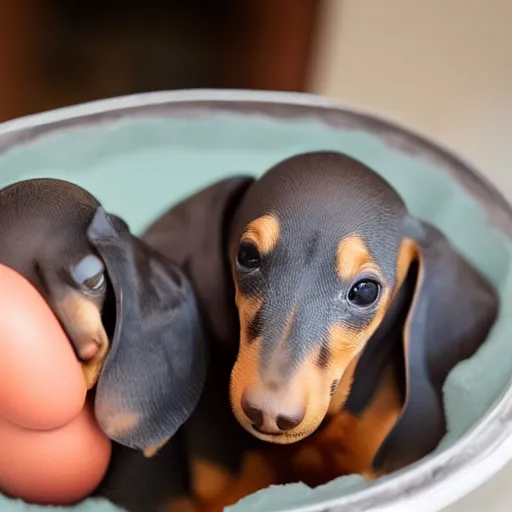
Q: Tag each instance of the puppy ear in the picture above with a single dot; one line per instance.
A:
(450, 313)
(156, 367)
(194, 235)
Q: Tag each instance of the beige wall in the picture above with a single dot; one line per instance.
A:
(443, 67)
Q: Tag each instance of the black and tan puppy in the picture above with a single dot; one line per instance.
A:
(129, 312)
(340, 314)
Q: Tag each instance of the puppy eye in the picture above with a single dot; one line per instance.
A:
(364, 293)
(248, 256)
(95, 283)
(89, 273)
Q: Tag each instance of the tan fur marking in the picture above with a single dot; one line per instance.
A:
(121, 423)
(245, 370)
(349, 444)
(82, 318)
(308, 459)
(257, 473)
(153, 450)
(407, 253)
(264, 232)
(247, 309)
(407, 325)
(244, 373)
(352, 257)
(180, 505)
(209, 481)
(343, 342)
(344, 387)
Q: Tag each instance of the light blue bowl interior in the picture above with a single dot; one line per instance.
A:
(138, 168)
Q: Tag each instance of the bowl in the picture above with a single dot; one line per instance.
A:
(140, 154)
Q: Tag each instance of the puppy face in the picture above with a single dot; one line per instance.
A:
(129, 313)
(314, 260)
(43, 237)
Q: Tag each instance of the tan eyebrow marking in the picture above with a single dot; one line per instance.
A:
(264, 232)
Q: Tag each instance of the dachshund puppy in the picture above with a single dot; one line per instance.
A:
(129, 312)
(334, 318)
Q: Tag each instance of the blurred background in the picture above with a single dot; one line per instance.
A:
(442, 67)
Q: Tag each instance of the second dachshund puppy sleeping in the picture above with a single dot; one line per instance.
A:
(129, 312)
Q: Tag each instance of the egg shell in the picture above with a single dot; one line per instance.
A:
(53, 467)
(41, 382)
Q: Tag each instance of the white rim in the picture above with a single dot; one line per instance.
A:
(161, 97)
(217, 95)
(427, 495)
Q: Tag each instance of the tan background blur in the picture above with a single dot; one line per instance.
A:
(442, 67)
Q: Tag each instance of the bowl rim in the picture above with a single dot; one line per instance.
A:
(432, 483)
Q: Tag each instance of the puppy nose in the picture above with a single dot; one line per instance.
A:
(287, 423)
(268, 420)
(255, 414)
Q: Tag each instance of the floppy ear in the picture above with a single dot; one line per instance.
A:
(450, 315)
(194, 235)
(156, 367)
